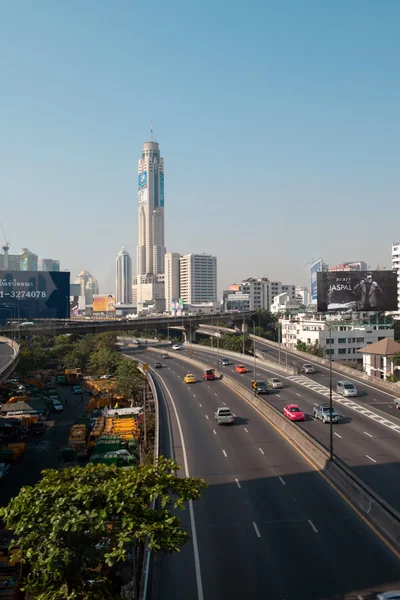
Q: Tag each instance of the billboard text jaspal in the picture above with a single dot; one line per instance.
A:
(368, 291)
(103, 303)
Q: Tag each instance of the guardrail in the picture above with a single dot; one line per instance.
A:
(378, 512)
(9, 367)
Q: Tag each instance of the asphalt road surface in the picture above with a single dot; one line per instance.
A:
(369, 446)
(6, 353)
(268, 525)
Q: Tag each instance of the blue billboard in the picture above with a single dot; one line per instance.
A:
(161, 189)
(317, 266)
(142, 180)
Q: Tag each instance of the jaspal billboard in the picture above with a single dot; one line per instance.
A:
(369, 291)
(34, 295)
(103, 303)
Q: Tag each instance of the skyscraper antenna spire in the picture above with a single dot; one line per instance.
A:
(151, 131)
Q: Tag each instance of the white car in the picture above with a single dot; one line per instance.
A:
(4, 469)
(275, 383)
(176, 347)
(308, 369)
(58, 407)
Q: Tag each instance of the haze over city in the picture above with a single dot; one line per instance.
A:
(278, 126)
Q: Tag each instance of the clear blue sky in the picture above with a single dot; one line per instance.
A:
(278, 123)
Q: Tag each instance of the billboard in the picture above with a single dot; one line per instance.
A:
(161, 189)
(142, 180)
(103, 303)
(77, 304)
(315, 268)
(34, 295)
(357, 290)
(177, 304)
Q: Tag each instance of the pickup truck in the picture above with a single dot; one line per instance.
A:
(323, 412)
(224, 416)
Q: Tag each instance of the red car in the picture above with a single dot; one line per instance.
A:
(240, 369)
(293, 412)
(209, 375)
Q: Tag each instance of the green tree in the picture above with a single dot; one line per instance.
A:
(396, 359)
(128, 378)
(76, 526)
(104, 361)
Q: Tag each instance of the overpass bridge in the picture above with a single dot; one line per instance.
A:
(189, 324)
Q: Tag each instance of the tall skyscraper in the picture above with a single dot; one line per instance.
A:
(151, 245)
(48, 264)
(88, 286)
(123, 292)
(396, 267)
(198, 278)
(171, 276)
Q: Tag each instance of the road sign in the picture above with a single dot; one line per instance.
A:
(145, 367)
(190, 352)
(254, 385)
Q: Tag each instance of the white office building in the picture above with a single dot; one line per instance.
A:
(88, 286)
(342, 340)
(171, 276)
(396, 267)
(151, 245)
(255, 293)
(123, 284)
(198, 278)
(284, 303)
(302, 295)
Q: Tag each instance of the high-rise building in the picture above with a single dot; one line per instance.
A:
(318, 265)
(48, 264)
(396, 267)
(123, 292)
(151, 245)
(198, 278)
(29, 260)
(88, 286)
(171, 278)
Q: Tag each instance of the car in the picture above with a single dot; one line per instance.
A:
(209, 375)
(293, 412)
(346, 389)
(225, 362)
(54, 397)
(4, 469)
(157, 365)
(224, 416)
(389, 596)
(275, 383)
(240, 369)
(176, 347)
(260, 387)
(189, 378)
(397, 402)
(164, 356)
(76, 389)
(57, 406)
(307, 369)
(323, 412)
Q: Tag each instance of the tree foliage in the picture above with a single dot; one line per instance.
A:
(128, 378)
(313, 349)
(75, 526)
(231, 342)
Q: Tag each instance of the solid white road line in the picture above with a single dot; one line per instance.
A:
(373, 460)
(369, 435)
(238, 484)
(313, 526)
(282, 480)
(261, 450)
(199, 582)
(224, 453)
(339, 436)
(258, 534)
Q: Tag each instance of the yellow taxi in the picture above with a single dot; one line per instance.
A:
(189, 378)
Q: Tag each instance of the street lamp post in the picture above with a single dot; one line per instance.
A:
(330, 397)
(243, 328)
(218, 336)
(254, 352)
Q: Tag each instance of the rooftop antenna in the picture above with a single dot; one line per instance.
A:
(151, 131)
(6, 246)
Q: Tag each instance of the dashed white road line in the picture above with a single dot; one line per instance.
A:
(297, 394)
(261, 450)
(370, 458)
(224, 403)
(312, 526)
(234, 415)
(214, 432)
(282, 480)
(258, 534)
(216, 393)
(368, 434)
(200, 405)
(238, 484)
(339, 436)
(206, 416)
(224, 453)
(246, 430)
(194, 395)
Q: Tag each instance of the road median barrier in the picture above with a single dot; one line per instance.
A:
(366, 501)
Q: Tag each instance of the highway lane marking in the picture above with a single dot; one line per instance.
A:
(199, 582)
(224, 403)
(208, 386)
(368, 434)
(200, 405)
(297, 394)
(216, 393)
(246, 430)
(224, 453)
(278, 395)
(261, 450)
(373, 460)
(312, 526)
(258, 534)
(339, 436)
(206, 416)
(214, 432)
(234, 415)
(238, 484)
(194, 395)
(282, 480)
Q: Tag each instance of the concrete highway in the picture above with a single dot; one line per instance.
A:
(268, 525)
(370, 447)
(6, 354)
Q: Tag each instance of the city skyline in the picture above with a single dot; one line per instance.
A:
(310, 150)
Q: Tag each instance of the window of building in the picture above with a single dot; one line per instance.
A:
(342, 351)
(329, 351)
(342, 340)
(329, 341)
(348, 350)
(360, 340)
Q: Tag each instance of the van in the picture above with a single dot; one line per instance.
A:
(346, 389)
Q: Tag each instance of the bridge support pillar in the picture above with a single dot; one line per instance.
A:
(189, 333)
